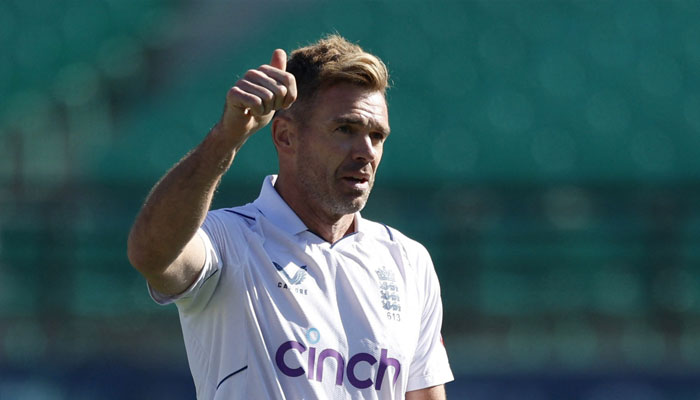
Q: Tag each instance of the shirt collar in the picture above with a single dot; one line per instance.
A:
(273, 207)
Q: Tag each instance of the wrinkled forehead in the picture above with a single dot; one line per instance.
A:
(352, 104)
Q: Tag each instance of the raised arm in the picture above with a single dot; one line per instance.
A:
(162, 244)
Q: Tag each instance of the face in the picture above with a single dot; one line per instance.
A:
(340, 147)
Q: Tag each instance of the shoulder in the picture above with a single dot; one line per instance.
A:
(226, 224)
(229, 230)
(246, 215)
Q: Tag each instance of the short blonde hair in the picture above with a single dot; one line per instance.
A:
(334, 60)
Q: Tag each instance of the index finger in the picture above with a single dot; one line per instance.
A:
(285, 79)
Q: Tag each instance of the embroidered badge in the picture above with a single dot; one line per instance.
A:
(388, 293)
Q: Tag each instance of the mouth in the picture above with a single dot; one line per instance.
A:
(357, 182)
(353, 179)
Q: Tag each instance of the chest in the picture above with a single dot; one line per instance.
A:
(354, 297)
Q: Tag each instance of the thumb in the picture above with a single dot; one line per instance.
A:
(279, 59)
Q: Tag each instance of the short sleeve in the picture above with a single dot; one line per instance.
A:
(201, 290)
(430, 366)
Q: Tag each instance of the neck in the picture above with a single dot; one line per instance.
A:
(330, 228)
(334, 231)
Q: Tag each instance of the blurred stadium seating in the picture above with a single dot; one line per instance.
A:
(546, 152)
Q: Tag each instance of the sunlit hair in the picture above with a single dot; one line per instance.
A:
(334, 60)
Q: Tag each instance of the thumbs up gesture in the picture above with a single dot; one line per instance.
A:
(252, 101)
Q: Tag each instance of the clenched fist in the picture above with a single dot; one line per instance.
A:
(252, 101)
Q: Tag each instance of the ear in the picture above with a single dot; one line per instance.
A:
(284, 134)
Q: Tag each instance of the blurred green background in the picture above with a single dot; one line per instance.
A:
(546, 152)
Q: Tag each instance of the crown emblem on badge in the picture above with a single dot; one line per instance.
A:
(385, 275)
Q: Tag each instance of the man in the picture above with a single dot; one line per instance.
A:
(295, 296)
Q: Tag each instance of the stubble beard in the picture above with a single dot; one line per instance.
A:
(324, 194)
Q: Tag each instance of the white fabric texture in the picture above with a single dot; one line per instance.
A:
(279, 313)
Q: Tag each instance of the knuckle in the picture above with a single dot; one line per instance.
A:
(290, 80)
(251, 73)
(240, 85)
(282, 90)
(267, 95)
(234, 92)
(267, 68)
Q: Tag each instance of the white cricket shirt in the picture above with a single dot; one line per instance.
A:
(279, 313)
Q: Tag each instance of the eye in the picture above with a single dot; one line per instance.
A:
(344, 129)
(377, 136)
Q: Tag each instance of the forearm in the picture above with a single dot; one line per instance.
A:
(178, 204)
(160, 243)
(431, 393)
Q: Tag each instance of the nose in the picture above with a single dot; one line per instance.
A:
(364, 149)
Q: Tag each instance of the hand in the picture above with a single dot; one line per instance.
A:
(251, 103)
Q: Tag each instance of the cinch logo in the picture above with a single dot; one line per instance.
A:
(315, 365)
